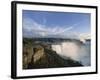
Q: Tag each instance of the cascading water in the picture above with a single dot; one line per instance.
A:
(73, 50)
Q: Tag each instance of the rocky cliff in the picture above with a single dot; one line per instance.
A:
(36, 55)
(50, 59)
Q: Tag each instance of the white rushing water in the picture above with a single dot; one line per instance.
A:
(75, 51)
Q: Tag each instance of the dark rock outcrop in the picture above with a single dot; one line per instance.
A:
(50, 59)
(40, 55)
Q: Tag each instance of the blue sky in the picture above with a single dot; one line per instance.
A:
(55, 24)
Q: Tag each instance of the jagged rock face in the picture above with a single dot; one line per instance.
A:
(38, 53)
(27, 55)
(32, 54)
(49, 59)
(38, 56)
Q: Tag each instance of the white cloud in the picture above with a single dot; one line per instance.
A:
(34, 29)
(85, 35)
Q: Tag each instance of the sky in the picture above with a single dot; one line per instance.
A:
(55, 24)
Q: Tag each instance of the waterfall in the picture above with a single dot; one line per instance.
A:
(76, 52)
